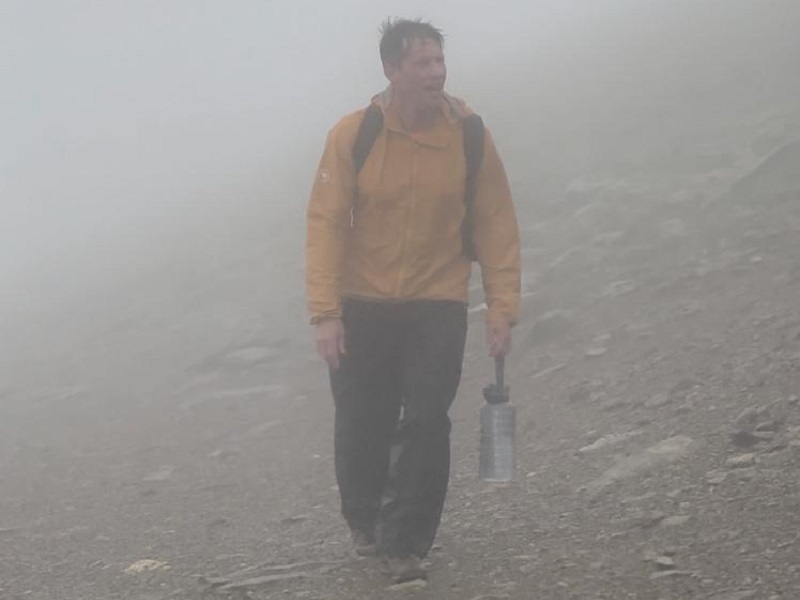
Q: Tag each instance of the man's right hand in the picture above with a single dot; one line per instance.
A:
(330, 341)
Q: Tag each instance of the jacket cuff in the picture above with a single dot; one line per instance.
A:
(332, 314)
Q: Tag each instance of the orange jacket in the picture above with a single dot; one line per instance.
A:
(399, 238)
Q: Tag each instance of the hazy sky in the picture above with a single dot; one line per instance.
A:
(122, 112)
(137, 114)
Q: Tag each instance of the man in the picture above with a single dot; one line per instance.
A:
(387, 281)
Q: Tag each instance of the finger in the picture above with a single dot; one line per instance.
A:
(332, 357)
(325, 352)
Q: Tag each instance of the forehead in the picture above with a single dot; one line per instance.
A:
(423, 47)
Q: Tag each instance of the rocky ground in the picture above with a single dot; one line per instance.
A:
(181, 447)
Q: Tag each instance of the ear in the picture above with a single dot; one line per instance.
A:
(390, 71)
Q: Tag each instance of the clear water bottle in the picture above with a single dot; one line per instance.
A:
(498, 425)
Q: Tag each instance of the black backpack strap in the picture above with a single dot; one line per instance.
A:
(473, 153)
(368, 132)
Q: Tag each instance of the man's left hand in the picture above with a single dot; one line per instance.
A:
(498, 337)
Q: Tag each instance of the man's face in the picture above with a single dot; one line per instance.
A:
(420, 77)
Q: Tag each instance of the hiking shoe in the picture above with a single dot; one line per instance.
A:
(363, 542)
(405, 569)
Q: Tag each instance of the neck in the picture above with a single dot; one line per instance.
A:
(415, 117)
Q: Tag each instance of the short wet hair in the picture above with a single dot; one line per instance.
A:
(397, 35)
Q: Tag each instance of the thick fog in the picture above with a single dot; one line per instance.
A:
(165, 421)
(128, 126)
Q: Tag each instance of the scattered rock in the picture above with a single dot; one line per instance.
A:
(716, 477)
(146, 565)
(613, 439)
(547, 328)
(651, 520)
(665, 452)
(664, 563)
(771, 426)
(746, 439)
(746, 474)
(293, 520)
(675, 521)
(672, 573)
(162, 474)
(587, 391)
(254, 583)
(416, 584)
(742, 595)
(657, 401)
(747, 419)
(262, 428)
(778, 173)
(263, 575)
(223, 454)
(741, 461)
(596, 352)
(618, 288)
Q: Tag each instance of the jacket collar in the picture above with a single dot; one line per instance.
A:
(452, 111)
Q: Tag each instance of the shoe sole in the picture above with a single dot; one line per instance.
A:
(420, 573)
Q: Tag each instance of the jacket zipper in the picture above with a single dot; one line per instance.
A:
(408, 217)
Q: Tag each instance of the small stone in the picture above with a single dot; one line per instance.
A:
(741, 595)
(614, 404)
(547, 328)
(747, 419)
(768, 426)
(741, 461)
(294, 519)
(672, 573)
(664, 563)
(596, 352)
(675, 521)
(664, 453)
(744, 439)
(146, 565)
(163, 474)
(657, 401)
(416, 584)
(716, 477)
(746, 474)
(613, 439)
(652, 520)
(618, 288)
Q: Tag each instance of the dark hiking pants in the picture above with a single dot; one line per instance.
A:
(392, 392)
